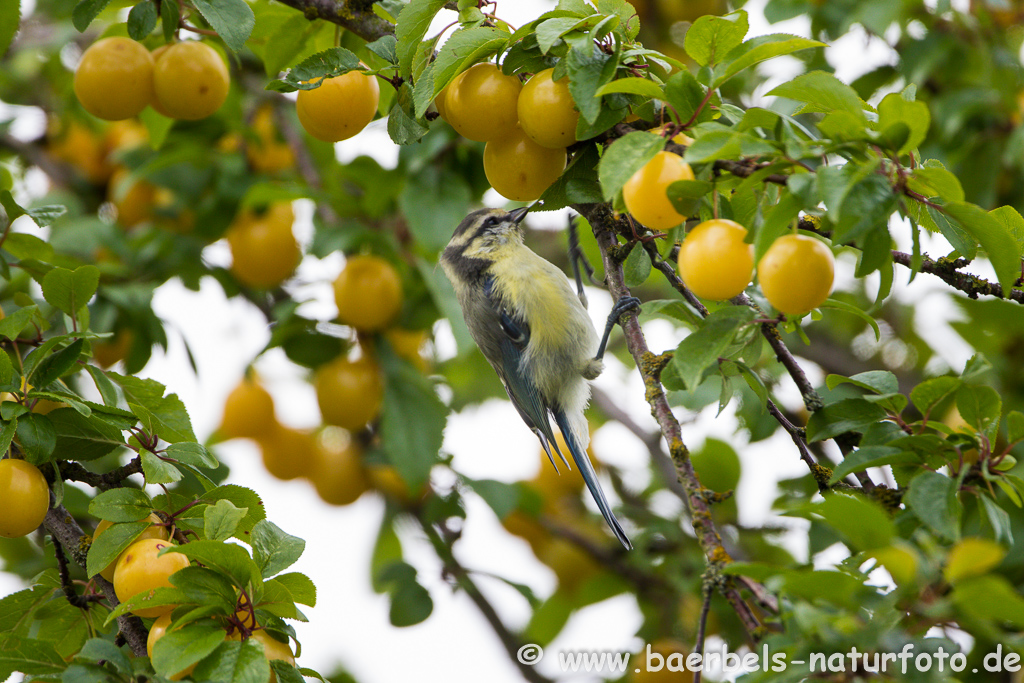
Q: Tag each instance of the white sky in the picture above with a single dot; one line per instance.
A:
(350, 623)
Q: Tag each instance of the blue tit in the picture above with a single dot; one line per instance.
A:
(535, 332)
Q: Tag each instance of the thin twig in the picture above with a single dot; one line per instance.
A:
(349, 15)
(462, 578)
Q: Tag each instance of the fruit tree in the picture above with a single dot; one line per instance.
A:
(822, 389)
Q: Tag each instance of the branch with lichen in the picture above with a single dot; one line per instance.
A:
(356, 16)
(695, 495)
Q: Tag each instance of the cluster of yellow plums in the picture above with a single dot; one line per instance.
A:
(144, 566)
(118, 77)
(796, 272)
(526, 127)
(350, 392)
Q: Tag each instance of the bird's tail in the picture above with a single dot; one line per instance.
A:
(579, 456)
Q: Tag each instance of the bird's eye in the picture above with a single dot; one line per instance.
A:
(490, 221)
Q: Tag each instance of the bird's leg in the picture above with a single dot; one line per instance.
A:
(576, 258)
(626, 303)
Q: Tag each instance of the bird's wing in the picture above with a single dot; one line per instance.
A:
(590, 477)
(520, 388)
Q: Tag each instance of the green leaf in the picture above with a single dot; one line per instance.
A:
(932, 498)
(1011, 220)
(121, 505)
(311, 72)
(229, 558)
(633, 86)
(637, 266)
(12, 325)
(502, 497)
(877, 381)
(142, 20)
(25, 246)
(85, 11)
(933, 181)
(853, 310)
(234, 662)
(412, 420)
(990, 597)
(980, 407)
(587, 73)
(242, 498)
(413, 22)
(1014, 426)
(894, 109)
(273, 550)
(759, 49)
(685, 95)
(385, 48)
(163, 415)
(7, 435)
(685, 195)
(871, 456)
(403, 127)
(37, 437)
(703, 347)
(192, 454)
(624, 157)
(70, 290)
(997, 516)
(298, 587)
(926, 395)
(822, 92)
(100, 650)
(233, 20)
(287, 42)
(848, 415)
(463, 49)
(7, 372)
(997, 241)
(111, 543)
(170, 17)
(181, 648)
(158, 471)
(10, 18)
(711, 38)
(972, 556)
(53, 367)
(863, 524)
(220, 520)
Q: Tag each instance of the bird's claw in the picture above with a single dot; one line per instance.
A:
(625, 305)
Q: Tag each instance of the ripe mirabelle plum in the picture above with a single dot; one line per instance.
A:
(350, 392)
(26, 498)
(547, 112)
(156, 530)
(248, 411)
(133, 199)
(368, 293)
(287, 453)
(340, 107)
(190, 81)
(387, 480)
(114, 79)
(76, 144)
(439, 102)
(337, 471)
(141, 569)
(268, 154)
(157, 631)
(645, 193)
(796, 273)
(520, 169)
(714, 261)
(264, 251)
(408, 344)
(481, 102)
(113, 349)
(273, 649)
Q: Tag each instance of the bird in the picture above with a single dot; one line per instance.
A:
(535, 332)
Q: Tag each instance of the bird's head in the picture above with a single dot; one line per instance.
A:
(483, 233)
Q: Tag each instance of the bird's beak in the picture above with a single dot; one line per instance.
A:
(517, 215)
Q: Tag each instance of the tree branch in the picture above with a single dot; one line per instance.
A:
(463, 580)
(66, 532)
(357, 17)
(603, 223)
